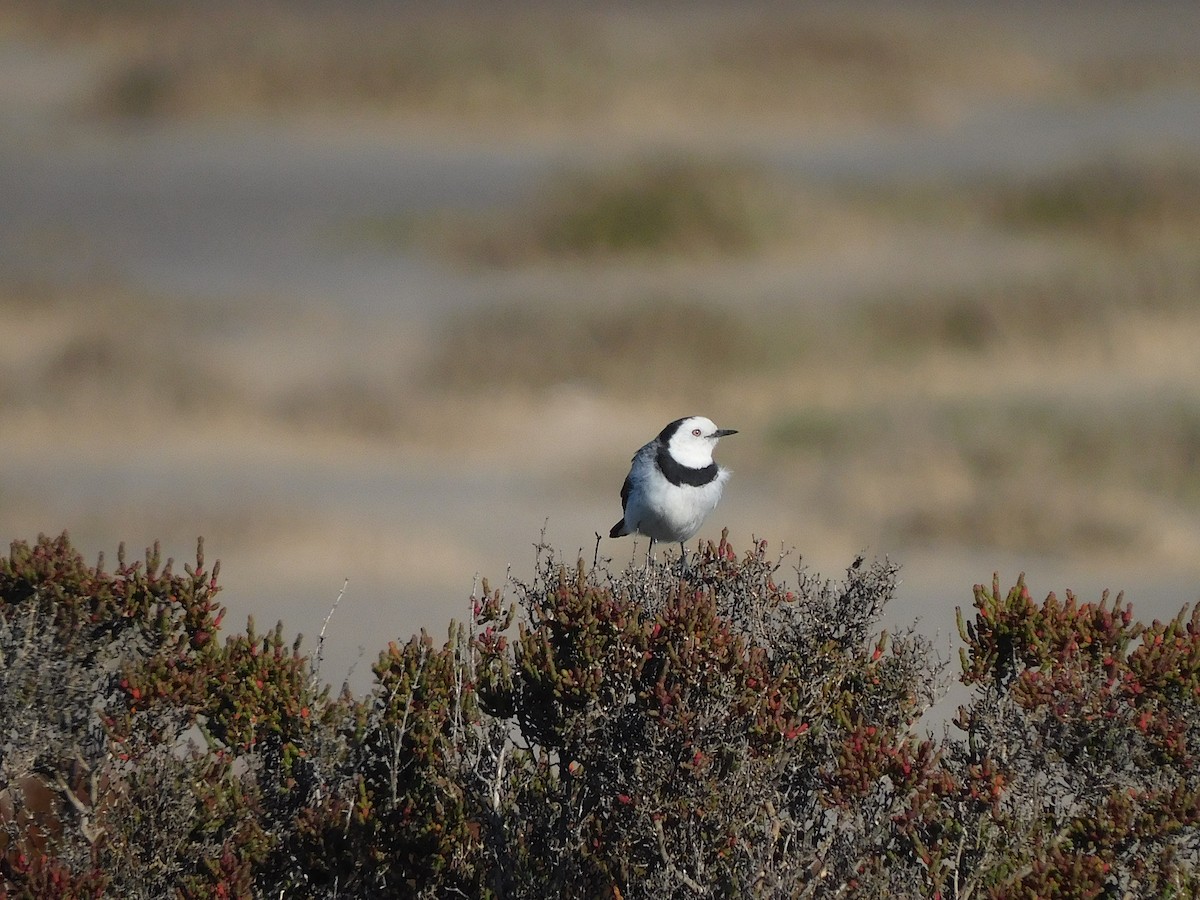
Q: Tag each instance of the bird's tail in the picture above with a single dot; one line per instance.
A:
(618, 530)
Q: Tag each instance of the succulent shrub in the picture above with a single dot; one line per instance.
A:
(719, 732)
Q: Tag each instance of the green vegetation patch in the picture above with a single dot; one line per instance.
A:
(1119, 201)
(669, 206)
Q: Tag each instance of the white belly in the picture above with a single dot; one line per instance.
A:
(669, 512)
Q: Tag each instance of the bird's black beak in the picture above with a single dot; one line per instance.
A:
(724, 432)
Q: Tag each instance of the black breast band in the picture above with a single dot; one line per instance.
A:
(680, 474)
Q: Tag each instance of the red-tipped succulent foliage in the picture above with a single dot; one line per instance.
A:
(635, 734)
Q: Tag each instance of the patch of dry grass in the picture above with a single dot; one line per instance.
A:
(1123, 239)
(1120, 204)
(1149, 444)
(1041, 313)
(110, 357)
(103, 348)
(1046, 475)
(658, 208)
(616, 66)
(662, 345)
(1124, 204)
(1055, 415)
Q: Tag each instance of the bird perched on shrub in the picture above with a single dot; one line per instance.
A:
(673, 484)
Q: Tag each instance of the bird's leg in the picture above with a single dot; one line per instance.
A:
(683, 558)
(650, 554)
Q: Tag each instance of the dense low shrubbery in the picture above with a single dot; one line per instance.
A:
(635, 734)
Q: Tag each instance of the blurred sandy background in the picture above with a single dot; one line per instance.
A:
(379, 291)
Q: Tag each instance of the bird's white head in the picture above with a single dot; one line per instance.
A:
(691, 441)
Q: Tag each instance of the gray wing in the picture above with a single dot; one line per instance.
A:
(644, 455)
(626, 490)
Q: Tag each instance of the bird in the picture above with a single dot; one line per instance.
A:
(673, 484)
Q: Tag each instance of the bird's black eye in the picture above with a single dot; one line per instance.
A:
(696, 432)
